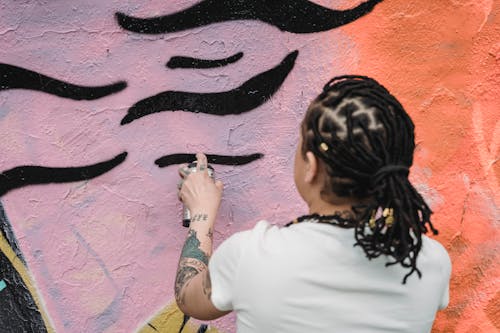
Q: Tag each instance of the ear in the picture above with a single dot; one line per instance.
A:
(311, 167)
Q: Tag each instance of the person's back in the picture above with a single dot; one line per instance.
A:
(309, 278)
(359, 262)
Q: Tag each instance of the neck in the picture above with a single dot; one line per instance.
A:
(324, 208)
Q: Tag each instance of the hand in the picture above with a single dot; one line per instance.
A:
(197, 190)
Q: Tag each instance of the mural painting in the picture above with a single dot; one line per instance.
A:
(89, 114)
(100, 101)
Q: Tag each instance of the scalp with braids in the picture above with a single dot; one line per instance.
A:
(366, 141)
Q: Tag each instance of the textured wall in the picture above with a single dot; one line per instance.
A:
(96, 108)
(441, 58)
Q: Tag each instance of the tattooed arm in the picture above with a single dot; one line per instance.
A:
(192, 283)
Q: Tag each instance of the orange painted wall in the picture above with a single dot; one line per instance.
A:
(441, 59)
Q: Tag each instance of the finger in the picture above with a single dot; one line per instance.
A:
(201, 162)
(180, 183)
(183, 170)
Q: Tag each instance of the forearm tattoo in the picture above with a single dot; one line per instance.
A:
(192, 262)
(184, 274)
(199, 217)
(192, 249)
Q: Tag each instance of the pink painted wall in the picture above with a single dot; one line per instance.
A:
(103, 252)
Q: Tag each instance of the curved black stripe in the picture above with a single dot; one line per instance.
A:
(212, 159)
(30, 175)
(248, 96)
(188, 62)
(297, 16)
(13, 77)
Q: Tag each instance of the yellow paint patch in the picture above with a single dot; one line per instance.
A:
(169, 320)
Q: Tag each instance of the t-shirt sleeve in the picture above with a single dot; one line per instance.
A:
(223, 267)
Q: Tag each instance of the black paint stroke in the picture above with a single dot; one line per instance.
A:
(31, 175)
(18, 310)
(202, 329)
(185, 319)
(297, 16)
(246, 97)
(171, 159)
(8, 234)
(13, 77)
(188, 62)
(154, 328)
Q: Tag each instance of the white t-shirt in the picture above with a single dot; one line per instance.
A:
(309, 278)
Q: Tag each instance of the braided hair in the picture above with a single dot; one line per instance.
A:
(365, 140)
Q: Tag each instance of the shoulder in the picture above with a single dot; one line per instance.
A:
(435, 247)
(241, 238)
(433, 251)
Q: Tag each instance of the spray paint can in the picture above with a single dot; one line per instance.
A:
(186, 214)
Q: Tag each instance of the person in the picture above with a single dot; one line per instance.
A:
(357, 262)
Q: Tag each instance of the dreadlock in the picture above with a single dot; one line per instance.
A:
(366, 141)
